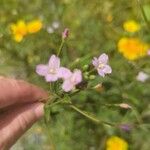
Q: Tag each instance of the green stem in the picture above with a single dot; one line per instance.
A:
(97, 121)
(61, 47)
(55, 103)
(91, 71)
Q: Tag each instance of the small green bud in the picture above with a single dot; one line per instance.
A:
(85, 67)
(92, 77)
(86, 76)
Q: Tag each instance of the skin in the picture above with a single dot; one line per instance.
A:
(20, 108)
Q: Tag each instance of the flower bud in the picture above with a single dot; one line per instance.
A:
(92, 77)
(125, 106)
(65, 34)
(85, 67)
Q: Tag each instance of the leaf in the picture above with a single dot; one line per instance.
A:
(147, 11)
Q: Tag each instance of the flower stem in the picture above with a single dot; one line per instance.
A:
(61, 47)
(97, 121)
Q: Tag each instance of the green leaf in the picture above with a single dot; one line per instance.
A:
(147, 11)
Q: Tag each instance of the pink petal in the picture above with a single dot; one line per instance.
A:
(54, 62)
(107, 69)
(67, 86)
(103, 58)
(101, 72)
(42, 69)
(77, 76)
(64, 73)
(51, 77)
(95, 62)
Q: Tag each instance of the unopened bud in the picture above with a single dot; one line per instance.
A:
(125, 106)
(85, 67)
(99, 87)
(92, 77)
(65, 34)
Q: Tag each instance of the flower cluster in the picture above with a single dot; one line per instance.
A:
(21, 29)
(132, 47)
(53, 71)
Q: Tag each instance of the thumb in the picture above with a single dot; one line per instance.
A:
(13, 124)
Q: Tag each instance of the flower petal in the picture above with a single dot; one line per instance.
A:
(67, 86)
(51, 77)
(54, 62)
(41, 69)
(101, 72)
(103, 58)
(64, 73)
(95, 62)
(107, 69)
(77, 76)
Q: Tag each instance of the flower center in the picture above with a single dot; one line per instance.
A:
(52, 71)
(101, 65)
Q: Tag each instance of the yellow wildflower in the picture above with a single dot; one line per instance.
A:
(34, 26)
(131, 26)
(132, 48)
(116, 143)
(19, 30)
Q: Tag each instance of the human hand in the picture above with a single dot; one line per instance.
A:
(19, 109)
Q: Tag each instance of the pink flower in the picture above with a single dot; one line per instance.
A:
(72, 80)
(101, 65)
(52, 71)
(65, 34)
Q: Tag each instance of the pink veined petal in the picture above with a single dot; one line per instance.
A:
(67, 86)
(54, 62)
(101, 72)
(42, 69)
(77, 76)
(64, 73)
(107, 69)
(103, 58)
(95, 62)
(51, 77)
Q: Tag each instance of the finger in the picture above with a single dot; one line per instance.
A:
(16, 91)
(15, 122)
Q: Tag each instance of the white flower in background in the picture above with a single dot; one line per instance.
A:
(50, 30)
(142, 76)
(55, 24)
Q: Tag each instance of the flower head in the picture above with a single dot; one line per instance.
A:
(71, 80)
(142, 76)
(131, 26)
(101, 65)
(116, 143)
(51, 72)
(65, 34)
(19, 30)
(34, 26)
(132, 48)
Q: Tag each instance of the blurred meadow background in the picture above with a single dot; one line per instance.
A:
(120, 28)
